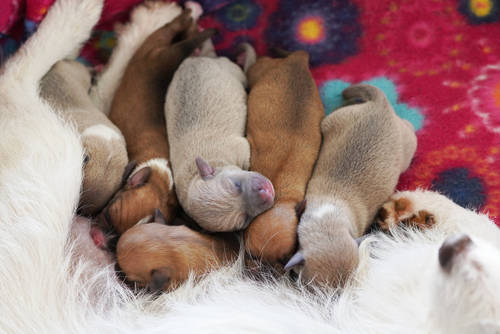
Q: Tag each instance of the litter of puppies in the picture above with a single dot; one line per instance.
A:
(246, 153)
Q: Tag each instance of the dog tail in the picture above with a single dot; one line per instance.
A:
(361, 93)
(66, 27)
(250, 56)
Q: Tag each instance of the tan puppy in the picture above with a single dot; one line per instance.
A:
(283, 129)
(66, 88)
(162, 256)
(206, 115)
(137, 109)
(366, 146)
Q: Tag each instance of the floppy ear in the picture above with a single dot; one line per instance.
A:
(296, 260)
(128, 169)
(300, 208)
(206, 171)
(159, 279)
(159, 217)
(139, 178)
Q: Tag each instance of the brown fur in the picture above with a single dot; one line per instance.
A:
(401, 212)
(283, 129)
(138, 110)
(162, 256)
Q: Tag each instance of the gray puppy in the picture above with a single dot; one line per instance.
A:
(66, 88)
(366, 146)
(206, 116)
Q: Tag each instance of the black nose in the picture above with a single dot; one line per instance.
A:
(451, 248)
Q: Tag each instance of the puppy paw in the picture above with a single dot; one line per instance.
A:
(152, 15)
(401, 211)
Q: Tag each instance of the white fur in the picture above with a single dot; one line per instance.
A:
(44, 288)
(161, 166)
(144, 220)
(145, 20)
(324, 209)
(102, 131)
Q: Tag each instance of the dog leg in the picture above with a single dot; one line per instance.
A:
(66, 27)
(145, 19)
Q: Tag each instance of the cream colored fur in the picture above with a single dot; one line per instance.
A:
(206, 112)
(66, 88)
(365, 148)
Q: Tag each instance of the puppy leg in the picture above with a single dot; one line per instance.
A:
(145, 19)
(401, 211)
(65, 28)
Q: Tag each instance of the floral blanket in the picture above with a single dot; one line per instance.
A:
(438, 61)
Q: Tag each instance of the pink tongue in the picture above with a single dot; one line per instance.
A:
(98, 236)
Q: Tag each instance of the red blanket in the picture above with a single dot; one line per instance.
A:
(438, 61)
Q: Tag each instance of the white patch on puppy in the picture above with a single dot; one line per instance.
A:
(102, 131)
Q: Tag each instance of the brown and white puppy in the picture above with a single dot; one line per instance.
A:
(283, 129)
(366, 146)
(66, 88)
(137, 109)
(206, 116)
(162, 256)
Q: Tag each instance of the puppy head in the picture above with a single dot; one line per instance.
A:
(135, 203)
(465, 287)
(328, 254)
(158, 256)
(227, 199)
(271, 238)
(104, 162)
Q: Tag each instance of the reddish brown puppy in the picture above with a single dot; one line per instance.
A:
(283, 129)
(162, 257)
(138, 111)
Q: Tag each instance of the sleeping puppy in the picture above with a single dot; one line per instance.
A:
(283, 129)
(66, 88)
(206, 115)
(162, 257)
(137, 109)
(366, 146)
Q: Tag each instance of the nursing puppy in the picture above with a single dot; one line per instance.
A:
(366, 146)
(66, 88)
(137, 109)
(283, 129)
(206, 114)
(162, 256)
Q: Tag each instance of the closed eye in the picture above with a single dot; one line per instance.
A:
(237, 185)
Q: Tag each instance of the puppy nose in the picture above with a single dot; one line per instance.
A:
(451, 248)
(266, 192)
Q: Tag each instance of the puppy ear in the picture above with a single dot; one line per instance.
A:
(128, 169)
(206, 171)
(159, 217)
(300, 208)
(296, 260)
(159, 279)
(139, 178)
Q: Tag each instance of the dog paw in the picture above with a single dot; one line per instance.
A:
(400, 211)
(196, 9)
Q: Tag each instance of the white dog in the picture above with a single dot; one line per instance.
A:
(401, 286)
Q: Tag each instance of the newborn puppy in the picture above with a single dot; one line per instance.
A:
(162, 256)
(366, 146)
(206, 115)
(137, 109)
(283, 129)
(66, 88)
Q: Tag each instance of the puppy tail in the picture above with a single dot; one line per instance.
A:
(361, 93)
(250, 57)
(66, 27)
